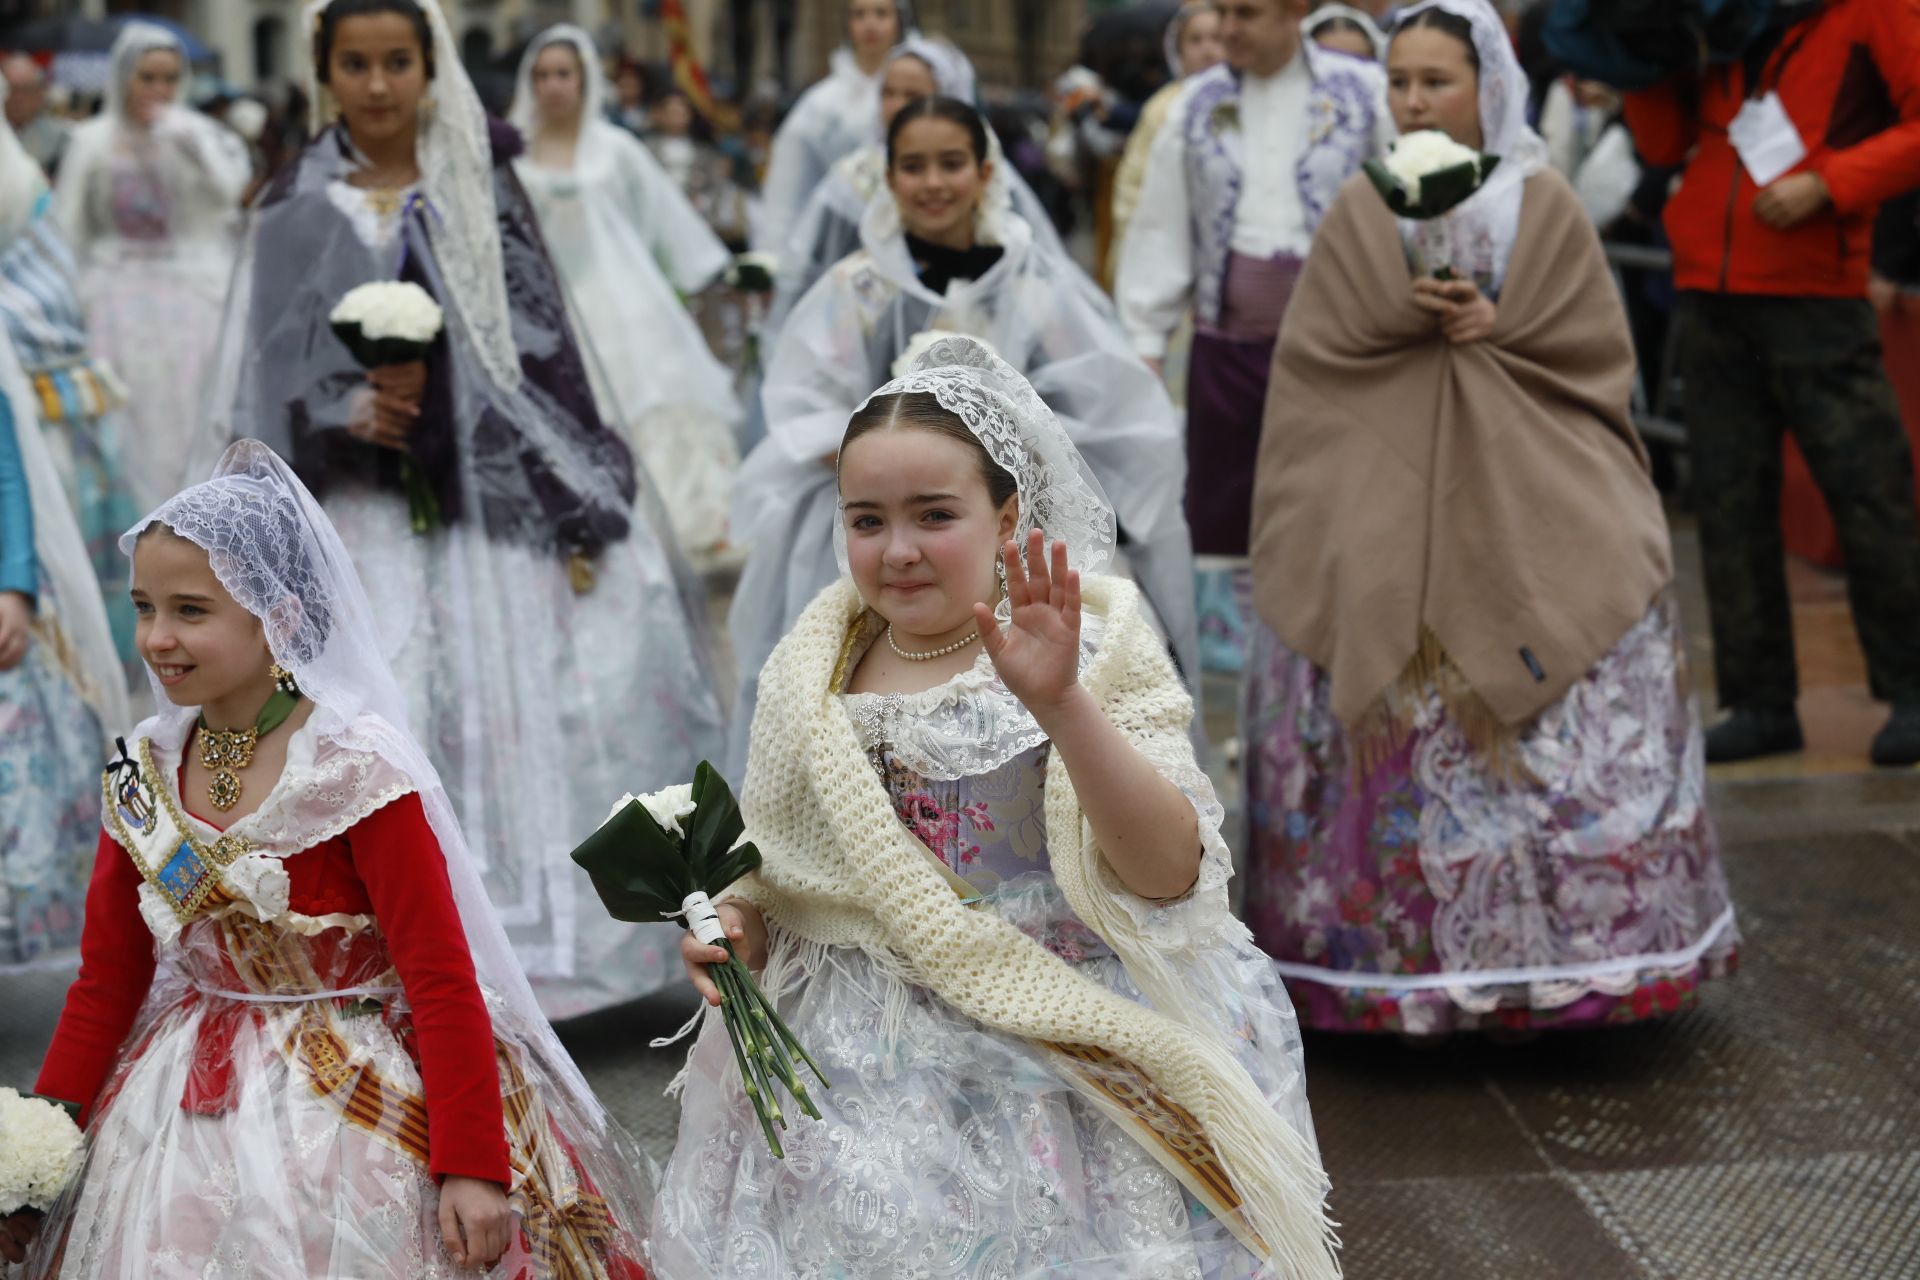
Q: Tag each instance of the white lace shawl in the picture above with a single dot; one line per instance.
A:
(842, 871)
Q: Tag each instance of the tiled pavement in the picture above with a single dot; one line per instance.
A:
(1771, 1134)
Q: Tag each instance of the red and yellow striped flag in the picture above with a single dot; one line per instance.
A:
(688, 74)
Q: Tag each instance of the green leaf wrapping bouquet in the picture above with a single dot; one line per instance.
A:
(1426, 175)
(663, 856)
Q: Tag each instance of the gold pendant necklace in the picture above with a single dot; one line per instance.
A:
(223, 751)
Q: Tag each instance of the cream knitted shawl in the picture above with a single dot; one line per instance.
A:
(841, 870)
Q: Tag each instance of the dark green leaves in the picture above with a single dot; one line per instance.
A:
(1440, 191)
(643, 872)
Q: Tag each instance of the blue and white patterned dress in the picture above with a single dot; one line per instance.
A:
(79, 401)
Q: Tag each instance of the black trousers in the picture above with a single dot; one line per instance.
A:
(1758, 366)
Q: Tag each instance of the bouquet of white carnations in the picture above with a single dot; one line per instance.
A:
(661, 857)
(1426, 175)
(40, 1152)
(753, 272)
(389, 322)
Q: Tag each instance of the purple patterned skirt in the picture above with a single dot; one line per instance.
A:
(1435, 894)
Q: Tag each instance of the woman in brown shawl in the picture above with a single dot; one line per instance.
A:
(1474, 768)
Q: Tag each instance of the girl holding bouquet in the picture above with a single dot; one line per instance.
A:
(547, 602)
(992, 903)
(942, 251)
(149, 199)
(624, 240)
(1474, 767)
(299, 1042)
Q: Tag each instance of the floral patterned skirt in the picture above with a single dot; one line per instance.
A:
(1437, 894)
(50, 761)
(949, 1149)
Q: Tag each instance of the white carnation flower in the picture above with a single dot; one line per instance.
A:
(391, 309)
(667, 805)
(40, 1152)
(1415, 155)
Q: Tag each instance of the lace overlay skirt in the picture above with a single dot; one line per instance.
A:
(283, 1139)
(947, 1149)
(1436, 894)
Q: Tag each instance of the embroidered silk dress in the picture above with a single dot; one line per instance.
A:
(275, 1085)
(948, 1148)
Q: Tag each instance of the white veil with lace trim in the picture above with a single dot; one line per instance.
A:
(279, 556)
(456, 164)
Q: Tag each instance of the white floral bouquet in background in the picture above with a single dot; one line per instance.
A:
(1424, 177)
(41, 1150)
(753, 272)
(389, 322)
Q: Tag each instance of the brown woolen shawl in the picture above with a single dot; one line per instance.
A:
(1476, 517)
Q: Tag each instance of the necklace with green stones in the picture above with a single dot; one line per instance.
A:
(226, 751)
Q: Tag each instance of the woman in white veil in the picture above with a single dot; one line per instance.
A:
(301, 1041)
(830, 119)
(550, 644)
(625, 239)
(864, 316)
(149, 199)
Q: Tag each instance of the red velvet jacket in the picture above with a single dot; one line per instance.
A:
(402, 882)
(1849, 78)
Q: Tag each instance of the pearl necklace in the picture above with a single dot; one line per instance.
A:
(941, 652)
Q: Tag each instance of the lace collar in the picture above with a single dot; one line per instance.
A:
(968, 726)
(325, 790)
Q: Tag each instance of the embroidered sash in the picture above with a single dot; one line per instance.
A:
(143, 817)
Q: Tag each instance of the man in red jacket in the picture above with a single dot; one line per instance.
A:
(1788, 154)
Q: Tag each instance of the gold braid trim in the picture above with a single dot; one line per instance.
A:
(1383, 728)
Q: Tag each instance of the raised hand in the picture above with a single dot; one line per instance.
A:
(1038, 656)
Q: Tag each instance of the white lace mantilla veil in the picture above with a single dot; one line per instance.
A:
(1058, 494)
(1486, 224)
(456, 167)
(279, 556)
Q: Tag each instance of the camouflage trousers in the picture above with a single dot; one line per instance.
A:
(1757, 366)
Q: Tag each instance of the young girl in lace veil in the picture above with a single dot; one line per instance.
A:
(993, 903)
(300, 1042)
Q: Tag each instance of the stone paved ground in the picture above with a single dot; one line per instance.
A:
(1771, 1134)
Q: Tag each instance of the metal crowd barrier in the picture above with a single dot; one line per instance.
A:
(1656, 391)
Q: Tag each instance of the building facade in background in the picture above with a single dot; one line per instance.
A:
(1021, 43)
